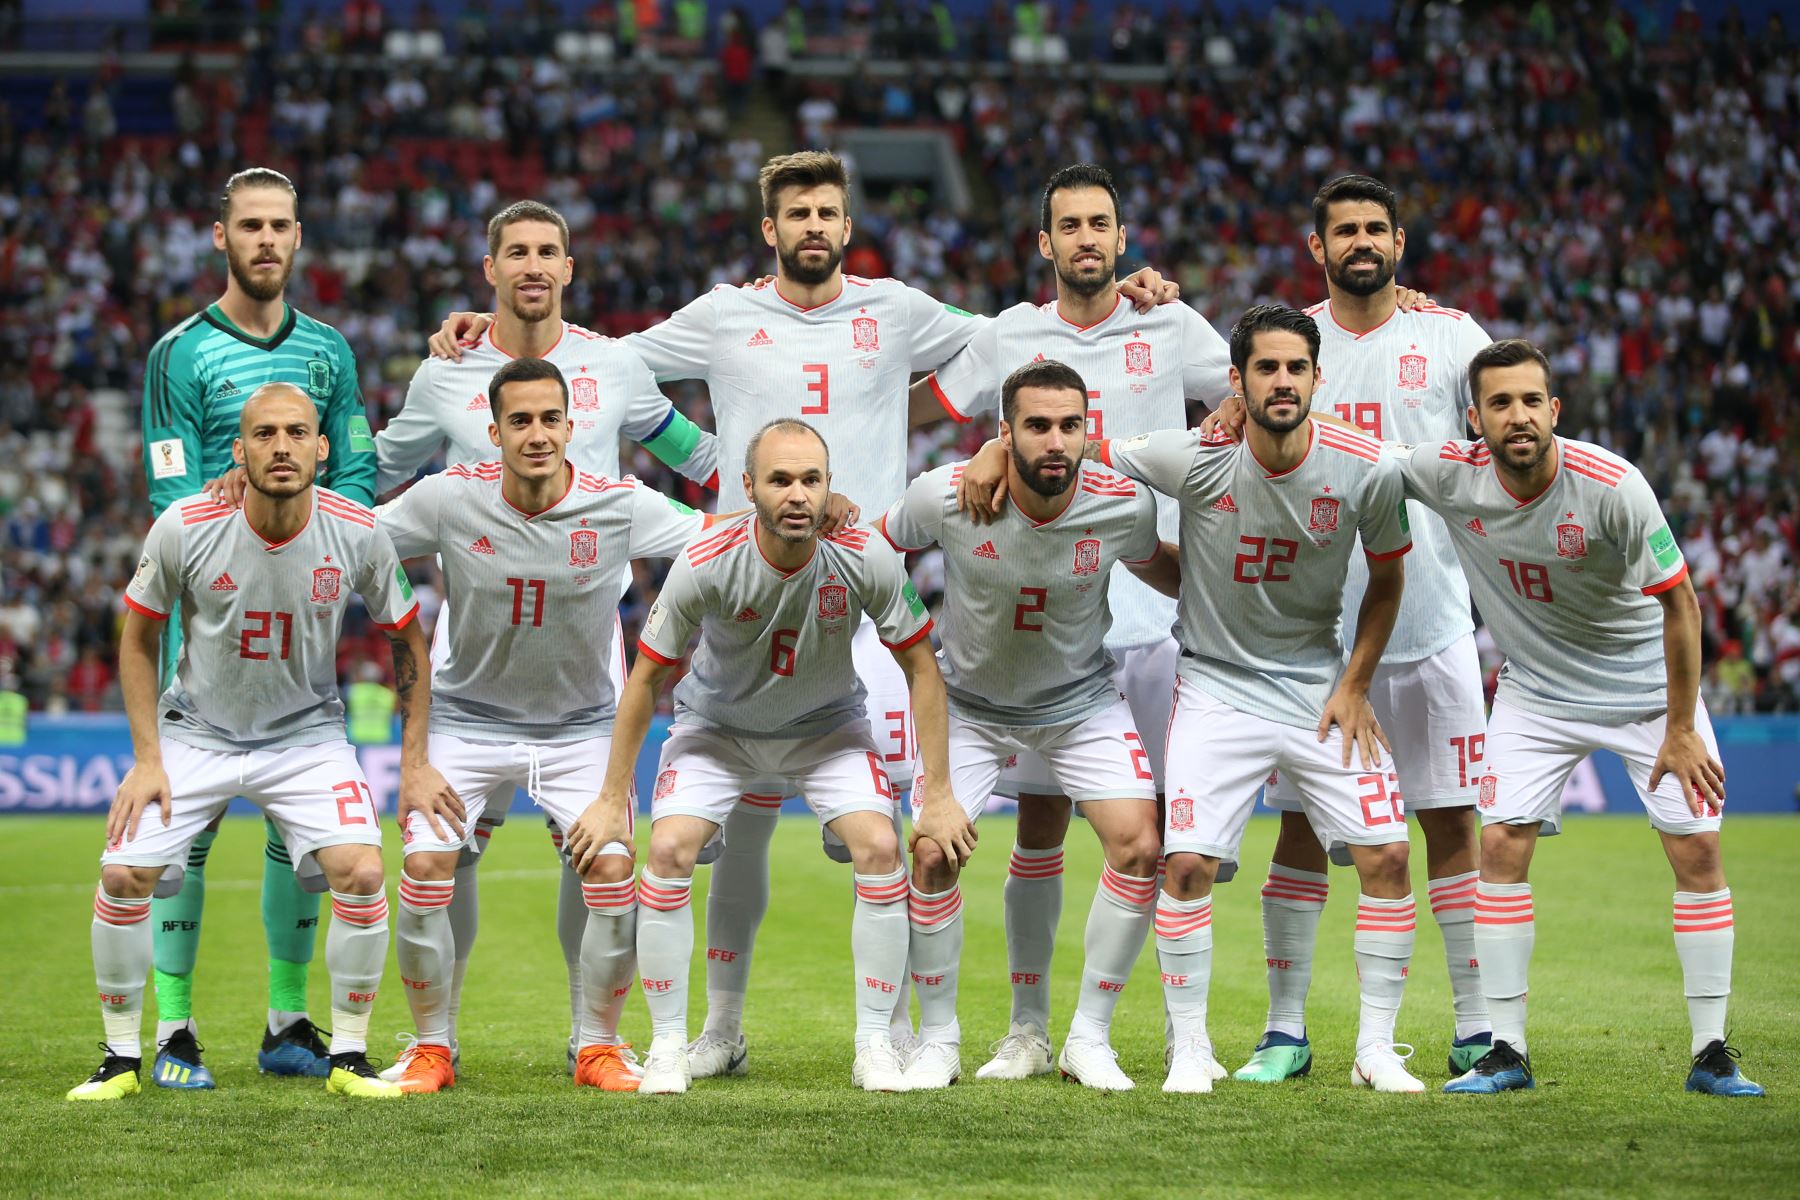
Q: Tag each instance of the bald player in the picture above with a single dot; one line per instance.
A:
(254, 711)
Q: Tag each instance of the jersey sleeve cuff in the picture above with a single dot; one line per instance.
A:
(405, 619)
(1138, 562)
(944, 400)
(1654, 589)
(1374, 557)
(1103, 448)
(882, 526)
(911, 641)
(144, 610)
(645, 649)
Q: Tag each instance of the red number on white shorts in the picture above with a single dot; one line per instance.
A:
(1380, 799)
(353, 791)
(1140, 758)
(884, 787)
(899, 732)
(1469, 751)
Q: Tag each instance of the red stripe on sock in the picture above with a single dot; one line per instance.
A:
(933, 910)
(1681, 928)
(114, 912)
(662, 899)
(882, 894)
(364, 915)
(1271, 892)
(1386, 926)
(1481, 919)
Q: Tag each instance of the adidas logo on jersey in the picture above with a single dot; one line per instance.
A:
(481, 545)
(223, 583)
(1475, 528)
(749, 614)
(477, 404)
(227, 388)
(761, 339)
(1225, 504)
(986, 550)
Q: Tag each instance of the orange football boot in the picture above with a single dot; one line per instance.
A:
(606, 1068)
(428, 1070)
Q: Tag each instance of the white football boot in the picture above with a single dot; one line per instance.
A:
(1022, 1053)
(1384, 1069)
(666, 1071)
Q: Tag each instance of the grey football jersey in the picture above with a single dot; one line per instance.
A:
(260, 620)
(1140, 370)
(1566, 580)
(1263, 558)
(1026, 611)
(532, 597)
(1406, 381)
(774, 656)
(841, 366)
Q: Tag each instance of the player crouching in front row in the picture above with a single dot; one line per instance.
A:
(773, 705)
(254, 711)
(532, 551)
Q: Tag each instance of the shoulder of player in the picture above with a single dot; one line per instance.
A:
(189, 330)
(340, 509)
(1435, 313)
(1594, 464)
(853, 542)
(1098, 481)
(319, 330)
(478, 474)
(720, 543)
(198, 509)
(587, 483)
(1337, 440)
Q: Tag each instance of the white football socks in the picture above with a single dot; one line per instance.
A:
(735, 904)
(426, 954)
(355, 951)
(122, 955)
(1385, 932)
(665, 941)
(935, 955)
(1118, 922)
(1184, 950)
(1453, 907)
(878, 949)
(1505, 930)
(1034, 899)
(1292, 901)
(1704, 934)
(608, 958)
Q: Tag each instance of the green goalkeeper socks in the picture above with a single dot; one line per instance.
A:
(291, 922)
(175, 935)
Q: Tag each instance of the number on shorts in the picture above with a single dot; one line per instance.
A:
(352, 791)
(884, 787)
(1468, 754)
(1530, 580)
(820, 386)
(1366, 417)
(781, 654)
(1032, 604)
(1264, 557)
(519, 588)
(262, 623)
(900, 733)
(1140, 758)
(1380, 800)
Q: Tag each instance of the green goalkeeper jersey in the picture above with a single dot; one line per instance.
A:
(201, 372)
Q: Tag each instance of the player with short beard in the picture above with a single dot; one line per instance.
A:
(199, 375)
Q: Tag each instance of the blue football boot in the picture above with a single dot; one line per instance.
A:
(1716, 1072)
(296, 1050)
(1501, 1069)
(178, 1063)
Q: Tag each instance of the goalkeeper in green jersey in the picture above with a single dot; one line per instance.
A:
(198, 377)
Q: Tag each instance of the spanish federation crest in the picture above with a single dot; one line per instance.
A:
(1324, 517)
(1181, 812)
(318, 377)
(1137, 358)
(1571, 541)
(1087, 556)
(665, 784)
(584, 548)
(327, 582)
(834, 601)
(584, 393)
(863, 334)
(1412, 372)
(1490, 789)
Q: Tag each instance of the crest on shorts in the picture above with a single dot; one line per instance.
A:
(584, 393)
(1324, 518)
(1490, 788)
(1087, 556)
(1412, 372)
(327, 581)
(584, 548)
(1571, 541)
(1137, 358)
(834, 601)
(863, 334)
(1181, 812)
(318, 377)
(665, 785)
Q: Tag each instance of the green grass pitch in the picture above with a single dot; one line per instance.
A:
(1608, 1023)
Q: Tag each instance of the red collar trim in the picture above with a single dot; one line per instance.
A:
(267, 544)
(1056, 306)
(756, 539)
(567, 466)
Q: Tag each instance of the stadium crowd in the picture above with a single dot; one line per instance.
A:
(1618, 189)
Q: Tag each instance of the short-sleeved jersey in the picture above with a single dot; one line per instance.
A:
(1406, 381)
(774, 657)
(260, 620)
(611, 394)
(1141, 369)
(842, 366)
(1565, 580)
(531, 596)
(202, 371)
(1263, 558)
(1026, 604)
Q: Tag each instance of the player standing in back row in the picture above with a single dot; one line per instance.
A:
(199, 375)
(254, 711)
(1268, 527)
(1141, 369)
(1398, 374)
(1588, 596)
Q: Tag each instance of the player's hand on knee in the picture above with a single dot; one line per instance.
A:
(946, 824)
(840, 513)
(1227, 419)
(459, 329)
(228, 488)
(1350, 711)
(145, 784)
(982, 489)
(602, 823)
(426, 792)
(1146, 288)
(1408, 299)
(1684, 755)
